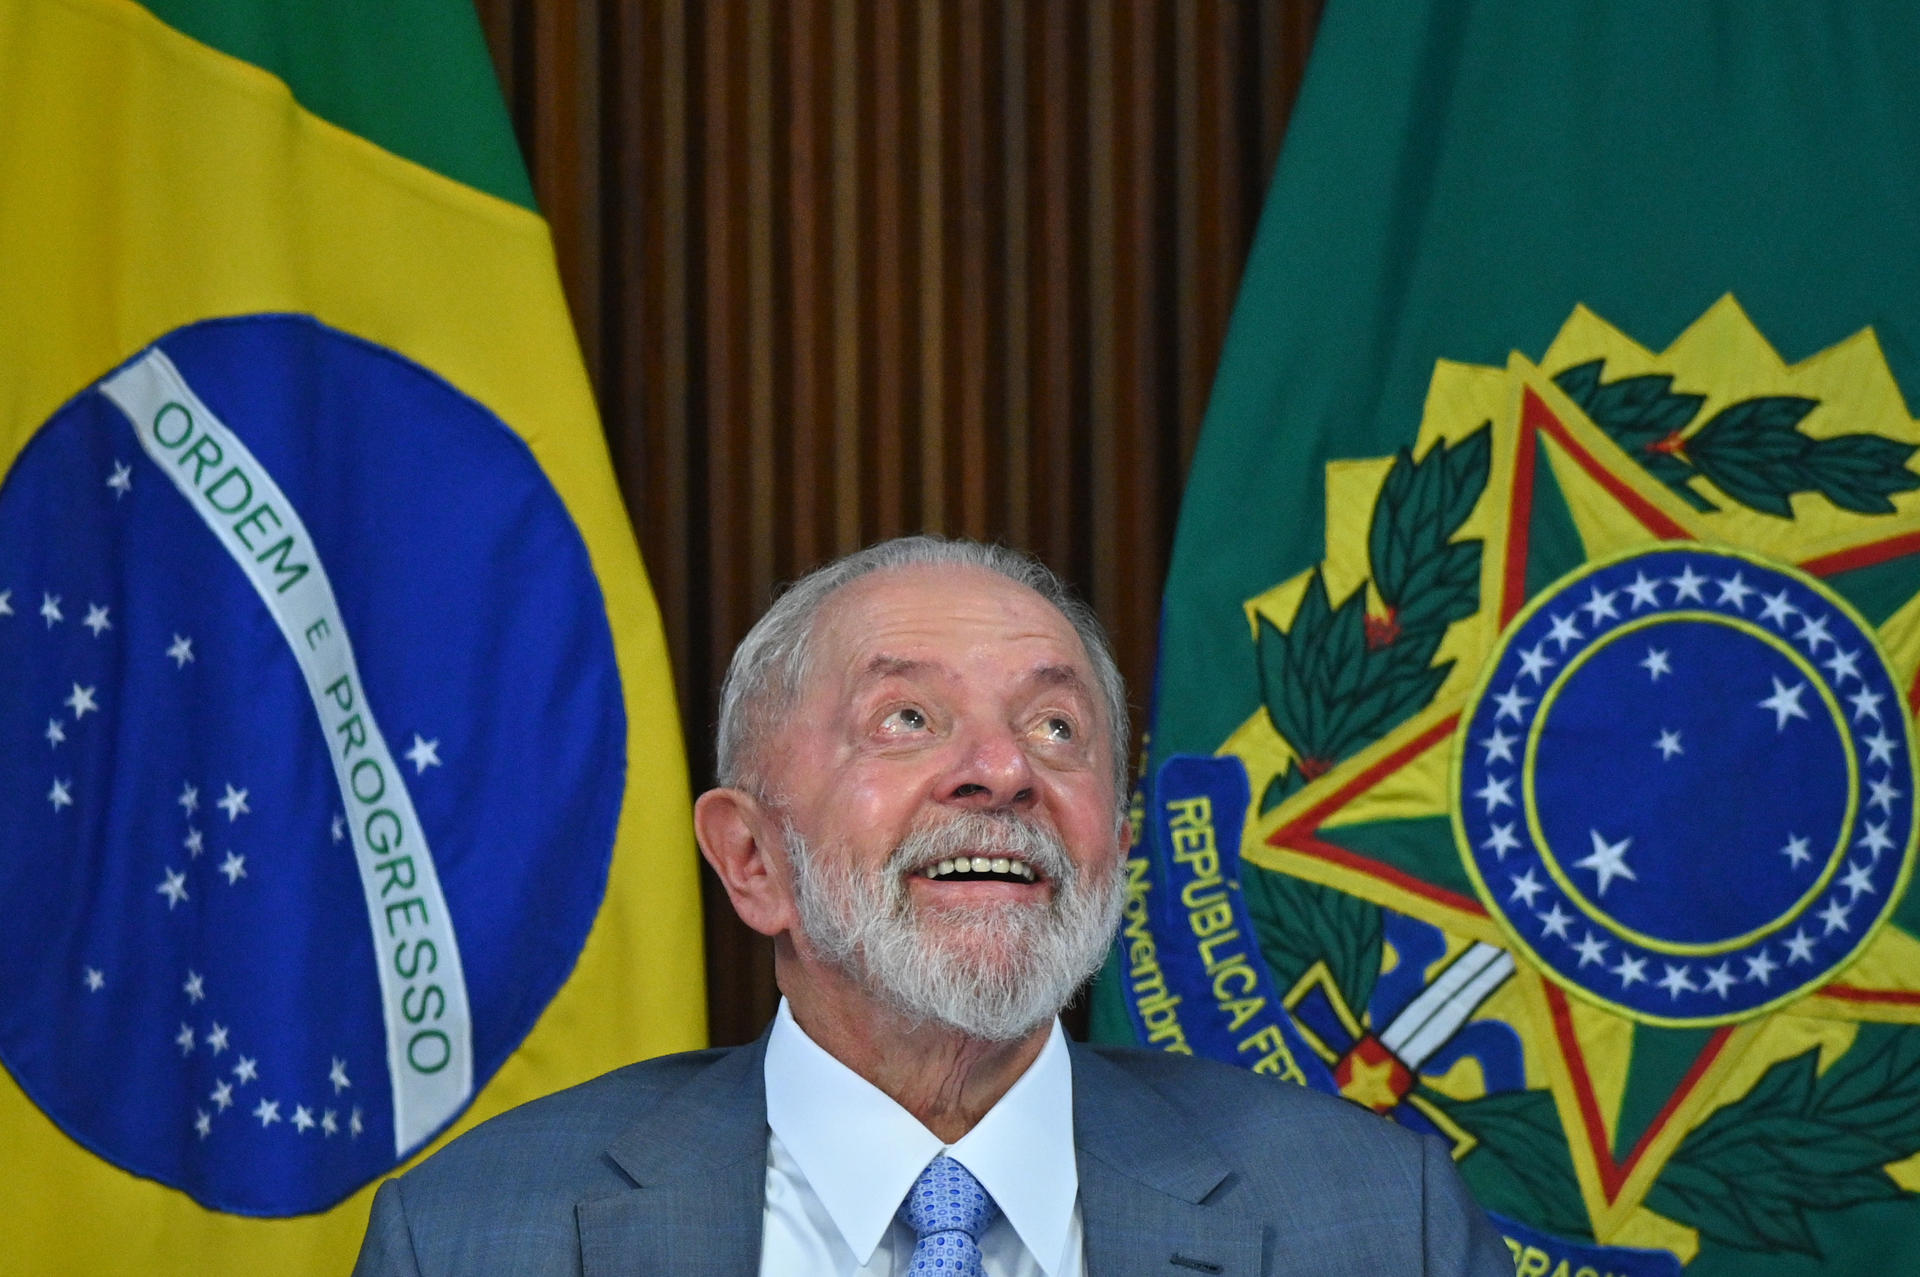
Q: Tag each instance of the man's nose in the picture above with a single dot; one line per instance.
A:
(993, 771)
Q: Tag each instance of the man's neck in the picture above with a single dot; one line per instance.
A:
(945, 1078)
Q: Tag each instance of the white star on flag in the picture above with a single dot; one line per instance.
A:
(247, 1069)
(1499, 746)
(1511, 703)
(189, 798)
(184, 1039)
(1875, 840)
(1501, 840)
(1592, 949)
(61, 795)
(1631, 971)
(1676, 981)
(1777, 610)
(1496, 792)
(329, 1124)
(338, 1075)
(1796, 850)
(1565, 631)
(6, 602)
(1719, 980)
(1866, 704)
(1655, 663)
(1843, 664)
(1687, 585)
(222, 1096)
(80, 701)
(180, 651)
(1858, 880)
(1799, 947)
(1608, 861)
(1785, 703)
(1668, 745)
(1526, 887)
(194, 842)
(234, 803)
(1760, 967)
(1600, 606)
(94, 979)
(1880, 747)
(424, 753)
(196, 986)
(55, 733)
(1734, 590)
(1834, 915)
(1645, 593)
(202, 1123)
(302, 1118)
(234, 867)
(217, 1038)
(1534, 662)
(268, 1111)
(1554, 921)
(97, 619)
(50, 608)
(174, 888)
(121, 480)
(1884, 792)
(338, 829)
(354, 1125)
(1814, 632)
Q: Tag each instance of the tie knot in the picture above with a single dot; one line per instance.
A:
(945, 1199)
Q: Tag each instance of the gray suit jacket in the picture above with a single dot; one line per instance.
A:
(1185, 1167)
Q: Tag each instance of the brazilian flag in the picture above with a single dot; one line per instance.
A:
(342, 787)
(1532, 755)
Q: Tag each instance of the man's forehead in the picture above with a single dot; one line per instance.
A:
(900, 622)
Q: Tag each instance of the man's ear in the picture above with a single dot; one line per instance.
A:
(741, 841)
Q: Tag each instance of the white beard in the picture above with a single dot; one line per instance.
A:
(993, 972)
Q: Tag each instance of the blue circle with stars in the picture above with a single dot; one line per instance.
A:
(1686, 784)
(188, 980)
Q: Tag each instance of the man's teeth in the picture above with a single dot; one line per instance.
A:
(982, 865)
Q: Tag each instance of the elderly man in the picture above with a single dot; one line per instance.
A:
(921, 755)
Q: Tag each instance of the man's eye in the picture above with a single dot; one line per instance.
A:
(906, 718)
(1058, 728)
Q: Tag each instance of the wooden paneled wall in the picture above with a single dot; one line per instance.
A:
(849, 268)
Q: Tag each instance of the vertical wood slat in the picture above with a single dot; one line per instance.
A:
(849, 268)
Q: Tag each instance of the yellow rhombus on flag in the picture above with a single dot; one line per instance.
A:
(338, 756)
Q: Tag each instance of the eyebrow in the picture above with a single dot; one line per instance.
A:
(1060, 676)
(883, 667)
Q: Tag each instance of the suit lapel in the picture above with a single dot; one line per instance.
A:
(699, 1166)
(1144, 1186)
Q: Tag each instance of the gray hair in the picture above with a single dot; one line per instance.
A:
(772, 662)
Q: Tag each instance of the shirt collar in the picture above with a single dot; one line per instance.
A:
(860, 1151)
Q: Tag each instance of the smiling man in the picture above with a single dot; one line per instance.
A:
(921, 753)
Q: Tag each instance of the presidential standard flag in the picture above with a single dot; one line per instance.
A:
(343, 793)
(1532, 756)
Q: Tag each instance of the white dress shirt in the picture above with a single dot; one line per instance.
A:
(842, 1155)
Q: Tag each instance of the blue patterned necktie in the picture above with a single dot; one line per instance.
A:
(947, 1211)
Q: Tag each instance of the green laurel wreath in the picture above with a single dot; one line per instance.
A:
(1299, 923)
(1748, 1177)
(1799, 1142)
(1752, 451)
(1336, 679)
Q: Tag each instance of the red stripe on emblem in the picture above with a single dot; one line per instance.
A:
(1534, 412)
(1613, 1175)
